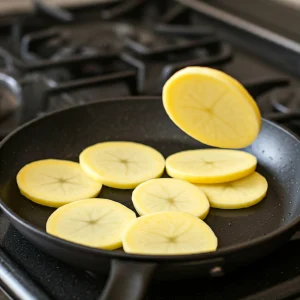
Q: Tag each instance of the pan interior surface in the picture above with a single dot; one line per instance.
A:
(65, 134)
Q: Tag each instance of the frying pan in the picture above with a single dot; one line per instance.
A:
(244, 235)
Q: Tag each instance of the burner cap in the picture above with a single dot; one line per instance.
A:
(283, 99)
(286, 99)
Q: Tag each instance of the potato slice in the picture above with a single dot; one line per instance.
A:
(122, 165)
(212, 107)
(241, 193)
(98, 223)
(210, 165)
(168, 194)
(169, 233)
(53, 182)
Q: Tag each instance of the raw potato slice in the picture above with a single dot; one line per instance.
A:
(98, 223)
(241, 193)
(212, 107)
(53, 182)
(210, 165)
(168, 194)
(169, 233)
(122, 165)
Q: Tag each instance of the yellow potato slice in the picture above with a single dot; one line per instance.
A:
(168, 194)
(212, 107)
(241, 193)
(53, 182)
(210, 165)
(122, 165)
(169, 233)
(98, 223)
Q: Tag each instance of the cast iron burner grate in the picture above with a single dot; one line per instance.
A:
(123, 54)
(114, 58)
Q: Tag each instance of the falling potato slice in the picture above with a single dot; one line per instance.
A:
(169, 233)
(210, 165)
(168, 194)
(122, 165)
(98, 223)
(241, 193)
(212, 107)
(53, 182)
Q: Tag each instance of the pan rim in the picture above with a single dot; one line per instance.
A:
(126, 256)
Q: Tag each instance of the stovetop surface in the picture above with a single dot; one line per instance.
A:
(130, 48)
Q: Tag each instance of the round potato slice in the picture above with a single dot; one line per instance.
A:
(241, 193)
(98, 223)
(122, 165)
(210, 165)
(53, 182)
(169, 233)
(212, 107)
(168, 194)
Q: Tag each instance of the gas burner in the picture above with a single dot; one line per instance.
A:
(10, 96)
(286, 100)
(281, 104)
(272, 100)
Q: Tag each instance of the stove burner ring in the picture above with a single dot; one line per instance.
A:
(10, 95)
(286, 100)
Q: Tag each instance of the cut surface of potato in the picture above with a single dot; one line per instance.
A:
(210, 165)
(98, 223)
(169, 233)
(122, 165)
(212, 107)
(168, 194)
(241, 193)
(53, 182)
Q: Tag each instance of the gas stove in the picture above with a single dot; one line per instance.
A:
(54, 58)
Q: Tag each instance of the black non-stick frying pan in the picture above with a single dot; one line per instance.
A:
(243, 235)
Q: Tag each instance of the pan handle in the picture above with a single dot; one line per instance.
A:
(127, 280)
